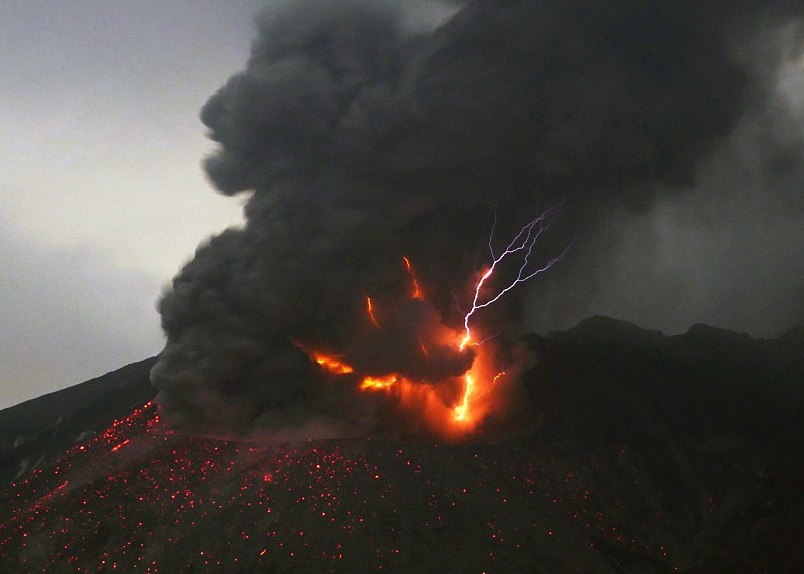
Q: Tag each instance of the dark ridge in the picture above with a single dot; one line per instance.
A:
(34, 432)
(705, 426)
(600, 329)
(795, 336)
(703, 384)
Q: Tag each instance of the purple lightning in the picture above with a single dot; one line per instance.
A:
(520, 246)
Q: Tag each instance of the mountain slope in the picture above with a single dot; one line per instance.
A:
(33, 433)
(643, 453)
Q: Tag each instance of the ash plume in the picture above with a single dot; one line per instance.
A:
(361, 139)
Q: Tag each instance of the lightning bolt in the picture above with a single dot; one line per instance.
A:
(521, 247)
(469, 409)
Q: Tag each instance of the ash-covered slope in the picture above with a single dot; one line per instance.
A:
(33, 433)
(644, 453)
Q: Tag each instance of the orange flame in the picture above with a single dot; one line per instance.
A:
(374, 383)
(463, 407)
(332, 364)
(451, 415)
(415, 289)
(370, 310)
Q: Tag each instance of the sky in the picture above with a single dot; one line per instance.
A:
(104, 198)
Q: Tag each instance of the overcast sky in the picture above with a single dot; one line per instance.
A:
(103, 197)
(102, 193)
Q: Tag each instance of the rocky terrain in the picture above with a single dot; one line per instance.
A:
(641, 453)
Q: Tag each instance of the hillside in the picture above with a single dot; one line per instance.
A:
(642, 453)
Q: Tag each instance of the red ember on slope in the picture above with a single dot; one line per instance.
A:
(140, 497)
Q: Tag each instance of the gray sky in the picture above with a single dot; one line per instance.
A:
(103, 197)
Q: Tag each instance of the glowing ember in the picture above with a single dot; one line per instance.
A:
(121, 445)
(167, 502)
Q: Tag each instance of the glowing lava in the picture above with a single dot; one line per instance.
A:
(370, 311)
(332, 364)
(457, 406)
(378, 382)
(462, 409)
(415, 290)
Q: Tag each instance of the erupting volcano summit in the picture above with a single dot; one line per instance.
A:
(364, 294)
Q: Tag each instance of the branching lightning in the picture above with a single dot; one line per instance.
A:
(520, 246)
(479, 381)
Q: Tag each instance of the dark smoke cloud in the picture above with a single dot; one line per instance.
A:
(362, 139)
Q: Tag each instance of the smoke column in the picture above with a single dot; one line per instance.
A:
(361, 139)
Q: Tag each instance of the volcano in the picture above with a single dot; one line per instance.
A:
(639, 453)
(347, 384)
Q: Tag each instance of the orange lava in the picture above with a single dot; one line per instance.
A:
(332, 364)
(370, 311)
(415, 290)
(378, 382)
(453, 408)
(462, 410)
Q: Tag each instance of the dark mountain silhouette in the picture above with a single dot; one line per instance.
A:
(34, 433)
(642, 453)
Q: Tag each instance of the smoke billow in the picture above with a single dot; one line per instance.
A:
(362, 139)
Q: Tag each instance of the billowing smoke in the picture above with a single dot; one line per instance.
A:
(363, 138)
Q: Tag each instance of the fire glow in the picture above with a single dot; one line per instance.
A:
(455, 407)
(332, 364)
